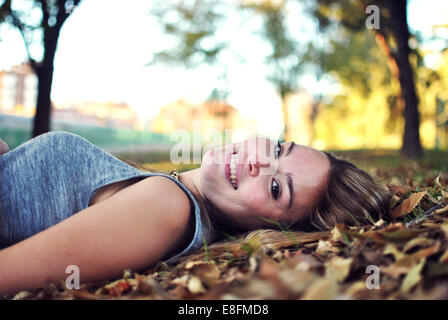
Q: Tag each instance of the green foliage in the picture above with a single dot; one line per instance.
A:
(284, 58)
(192, 29)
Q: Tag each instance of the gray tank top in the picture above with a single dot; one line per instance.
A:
(55, 175)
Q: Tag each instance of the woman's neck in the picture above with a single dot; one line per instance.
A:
(191, 179)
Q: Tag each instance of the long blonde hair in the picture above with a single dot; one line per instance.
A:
(351, 196)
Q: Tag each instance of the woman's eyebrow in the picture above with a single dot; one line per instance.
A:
(291, 189)
(291, 146)
(289, 176)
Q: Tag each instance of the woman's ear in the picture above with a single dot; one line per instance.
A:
(3, 147)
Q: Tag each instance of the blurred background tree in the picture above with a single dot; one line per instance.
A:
(45, 31)
(392, 35)
(337, 82)
(284, 60)
(195, 23)
(379, 73)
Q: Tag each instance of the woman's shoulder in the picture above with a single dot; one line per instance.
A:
(159, 194)
(168, 191)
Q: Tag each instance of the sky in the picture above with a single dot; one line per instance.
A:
(104, 45)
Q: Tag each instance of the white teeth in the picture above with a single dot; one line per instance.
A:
(233, 170)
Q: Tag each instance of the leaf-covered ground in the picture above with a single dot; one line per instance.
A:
(403, 256)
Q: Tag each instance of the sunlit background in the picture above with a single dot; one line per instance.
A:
(104, 85)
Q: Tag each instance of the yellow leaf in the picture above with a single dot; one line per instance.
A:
(195, 285)
(444, 257)
(408, 205)
(336, 235)
(338, 268)
(322, 289)
(413, 277)
(417, 242)
(394, 271)
(392, 249)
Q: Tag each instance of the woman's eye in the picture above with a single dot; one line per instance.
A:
(275, 189)
(278, 150)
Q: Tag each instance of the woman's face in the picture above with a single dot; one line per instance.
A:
(258, 178)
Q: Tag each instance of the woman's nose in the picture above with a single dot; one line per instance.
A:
(256, 161)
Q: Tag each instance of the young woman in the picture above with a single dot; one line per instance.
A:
(64, 201)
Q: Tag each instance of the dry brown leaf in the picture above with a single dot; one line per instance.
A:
(411, 259)
(325, 246)
(392, 249)
(303, 262)
(413, 277)
(408, 205)
(195, 285)
(417, 242)
(394, 271)
(356, 288)
(442, 210)
(379, 223)
(398, 190)
(336, 234)
(296, 281)
(444, 257)
(208, 272)
(338, 268)
(322, 289)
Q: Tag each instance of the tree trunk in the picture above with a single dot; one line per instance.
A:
(411, 147)
(41, 122)
(44, 73)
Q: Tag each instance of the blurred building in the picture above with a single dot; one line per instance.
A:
(103, 114)
(210, 116)
(18, 90)
(18, 97)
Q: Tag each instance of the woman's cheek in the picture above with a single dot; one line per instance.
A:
(255, 201)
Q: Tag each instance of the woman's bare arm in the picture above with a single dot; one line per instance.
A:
(135, 228)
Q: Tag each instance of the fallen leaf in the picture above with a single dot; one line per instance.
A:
(379, 223)
(442, 210)
(206, 271)
(195, 285)
(417, 242)
(303, 262)
(325, 246)
(444, 257)
(408, 205)
(356, 288)
(413, 277)
(322, 289)
(402, 235)
(336, 234)
(398, 190)
(338, 268)
(296, 281)
(394, 271)
(392, 249)
(409, 260)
